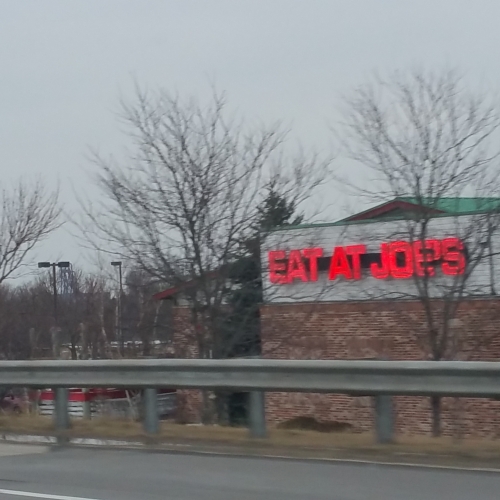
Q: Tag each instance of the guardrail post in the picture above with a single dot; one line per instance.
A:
(86, 404)
(35, 405)
(151, 421)
(257, 414)
(61, 414)
(384, 419)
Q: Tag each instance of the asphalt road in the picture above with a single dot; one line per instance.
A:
(35, 472)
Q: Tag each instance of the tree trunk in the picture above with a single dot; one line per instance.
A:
(207, 416)
(146, 346)
(222, 408)
(74, 352)
(436, 415)
(55, 336)
(84, 340)
(33, 337)
(104, 347)
(95, 346)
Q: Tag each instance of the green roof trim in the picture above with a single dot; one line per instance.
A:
(449, 207)
(457, 206)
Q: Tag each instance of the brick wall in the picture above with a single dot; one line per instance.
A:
(362, 330)
(367, 330)
(189, 402)
(185, 345)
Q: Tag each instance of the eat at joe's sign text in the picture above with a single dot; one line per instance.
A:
(398, 260)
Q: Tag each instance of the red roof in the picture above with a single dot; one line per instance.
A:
(387, 208)
(168, 293)
(171, 292)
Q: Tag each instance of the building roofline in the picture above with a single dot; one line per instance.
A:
(346, 222)
(396, 203)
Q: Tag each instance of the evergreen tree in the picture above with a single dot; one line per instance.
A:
(243, 323)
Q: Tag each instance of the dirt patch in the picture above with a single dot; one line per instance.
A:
(311, 424)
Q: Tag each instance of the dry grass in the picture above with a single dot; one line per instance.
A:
(280, 440)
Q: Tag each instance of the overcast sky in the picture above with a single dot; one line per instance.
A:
(65, 64)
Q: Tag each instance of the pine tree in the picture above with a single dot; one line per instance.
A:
(243, 323)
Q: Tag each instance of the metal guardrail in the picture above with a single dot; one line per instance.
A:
(425, 378)
(376, 378)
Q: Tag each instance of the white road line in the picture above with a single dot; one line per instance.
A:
(30, 494)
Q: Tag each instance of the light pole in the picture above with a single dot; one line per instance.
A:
(118, 264)
(61, 414)
(53, 265)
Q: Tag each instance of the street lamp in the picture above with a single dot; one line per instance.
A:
(118, 264)
(53, 265)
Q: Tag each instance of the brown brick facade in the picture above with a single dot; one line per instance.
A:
(363, 330)
(368, 330)
(189, 402)
(185, 345)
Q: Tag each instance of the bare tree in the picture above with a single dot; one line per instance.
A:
(25, 320)
(96, 316)
(424, 136)
(143, 319)
(187, 196)
(85, 316)
(29, 213)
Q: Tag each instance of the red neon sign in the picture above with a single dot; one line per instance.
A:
(313, 254)
(397, 260)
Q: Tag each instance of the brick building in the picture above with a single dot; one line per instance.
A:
(350, 290)
(353, 290)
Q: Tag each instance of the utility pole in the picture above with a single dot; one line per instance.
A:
(54, 286)
(118, 264)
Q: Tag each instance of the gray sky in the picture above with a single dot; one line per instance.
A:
(65, 65)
